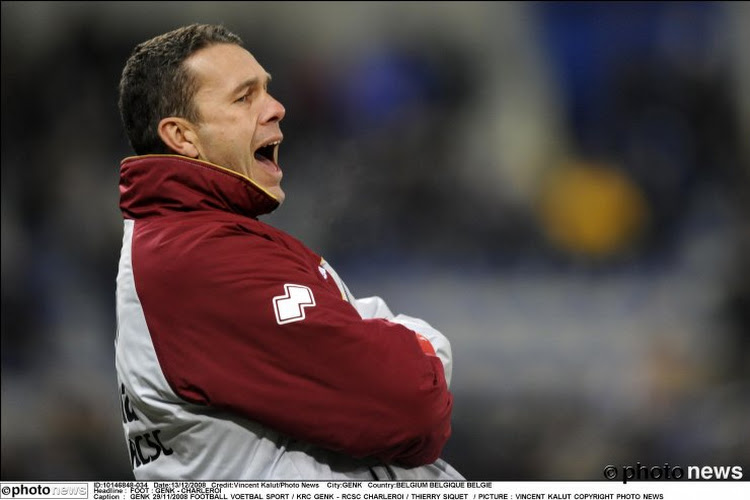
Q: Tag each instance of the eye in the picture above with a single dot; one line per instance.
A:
(243, 98)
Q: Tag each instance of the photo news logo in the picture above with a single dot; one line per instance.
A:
(666, 472)
(45, 490)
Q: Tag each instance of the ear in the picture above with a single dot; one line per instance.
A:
(179, 135)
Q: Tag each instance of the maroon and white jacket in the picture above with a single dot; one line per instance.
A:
(241, 354)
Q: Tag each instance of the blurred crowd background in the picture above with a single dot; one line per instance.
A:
(561, 188)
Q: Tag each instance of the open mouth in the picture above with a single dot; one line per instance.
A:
(269, 153)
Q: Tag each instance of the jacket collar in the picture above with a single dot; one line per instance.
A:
(154, 185)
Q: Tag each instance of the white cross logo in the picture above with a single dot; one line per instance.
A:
(290, 307)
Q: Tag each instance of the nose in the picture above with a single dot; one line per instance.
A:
(275, 110)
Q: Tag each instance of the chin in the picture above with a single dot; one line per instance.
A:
(278, 193)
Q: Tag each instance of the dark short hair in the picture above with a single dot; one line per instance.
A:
(156, 84)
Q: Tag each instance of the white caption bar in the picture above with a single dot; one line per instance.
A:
(375, 490)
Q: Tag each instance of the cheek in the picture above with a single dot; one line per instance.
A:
(229, 139)
(222, 140)
(236, 133)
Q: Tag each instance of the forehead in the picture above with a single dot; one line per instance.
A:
(221, 67)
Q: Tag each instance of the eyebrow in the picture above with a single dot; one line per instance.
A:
(250, 83)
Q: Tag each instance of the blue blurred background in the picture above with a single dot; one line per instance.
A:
(561, 188)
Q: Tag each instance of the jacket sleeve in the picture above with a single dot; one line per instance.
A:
(244, 324)
(439, 342)
(375, 307)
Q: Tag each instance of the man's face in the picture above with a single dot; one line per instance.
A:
(239, 120)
